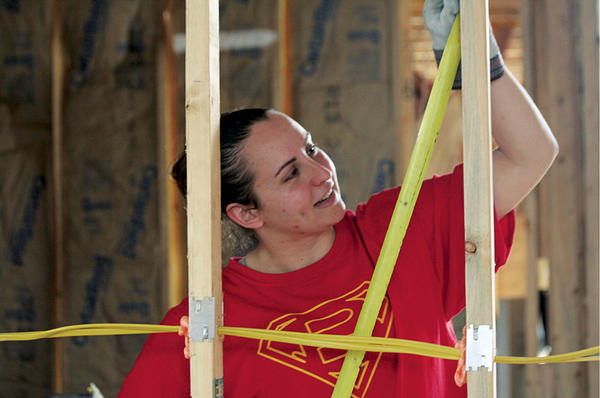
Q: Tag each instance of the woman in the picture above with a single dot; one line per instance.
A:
(312, 262)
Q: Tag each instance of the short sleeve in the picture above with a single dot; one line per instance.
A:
(438, 219)
(445, 196)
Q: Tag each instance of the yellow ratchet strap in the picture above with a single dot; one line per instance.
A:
(419, 159)
(356, 343)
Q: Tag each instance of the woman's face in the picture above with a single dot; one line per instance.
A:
(295, 182)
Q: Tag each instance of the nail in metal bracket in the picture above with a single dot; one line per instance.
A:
(202, 319)
(480, 347)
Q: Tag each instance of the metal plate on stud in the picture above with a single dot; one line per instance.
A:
(480, 348)
(202, 319)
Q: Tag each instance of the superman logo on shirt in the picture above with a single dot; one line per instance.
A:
(335, 316)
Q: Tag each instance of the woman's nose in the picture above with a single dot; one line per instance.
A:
(321, 173)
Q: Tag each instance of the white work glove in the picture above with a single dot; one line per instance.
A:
(439, 16)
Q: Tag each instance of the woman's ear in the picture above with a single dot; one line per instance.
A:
(246, 216)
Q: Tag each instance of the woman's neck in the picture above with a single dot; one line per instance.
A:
(275, 255)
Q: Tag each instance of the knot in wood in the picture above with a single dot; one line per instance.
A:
(470, 247)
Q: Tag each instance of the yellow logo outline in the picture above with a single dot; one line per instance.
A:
(343, 315)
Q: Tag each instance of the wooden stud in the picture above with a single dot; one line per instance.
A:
(404, 87)
(532, 309)
(203, 184)
(537, 382)
(564, 56)
(563, 220)
(588, 57)
(58, 73)
(172, 213)
(477, 144)
(283, 80)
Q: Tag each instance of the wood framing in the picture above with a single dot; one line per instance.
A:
(530, 205)
(564, 56)
(403, 86)
(477, 143)
(203, 184)
(172, 208)
(58, 263)
(283, 79)
(589, 59)
(562, 239)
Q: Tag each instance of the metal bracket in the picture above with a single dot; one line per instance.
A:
(480, 347)
(202, 319)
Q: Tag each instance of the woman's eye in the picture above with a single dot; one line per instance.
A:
(311, 149)
(292, 174)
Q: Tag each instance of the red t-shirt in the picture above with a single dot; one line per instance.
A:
(426, 290)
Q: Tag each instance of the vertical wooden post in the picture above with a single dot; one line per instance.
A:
(283, 79)
(477, 144)
(58, 71)
(532, 309)
(539, 382)
(561, 224)
(404, 120)
(172, 209)
(589, 62)
(565, 60)
(530, 205)
(203, 184)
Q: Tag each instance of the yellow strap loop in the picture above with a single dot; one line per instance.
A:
(355, 343)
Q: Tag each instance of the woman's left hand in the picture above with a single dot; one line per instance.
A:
(460, 376)
(184, 330)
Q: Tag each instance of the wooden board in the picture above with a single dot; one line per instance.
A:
(405, 125)
(588, 59)
(283, 78)
(563, 219)
(203, 184)
(58, 71)
(172, 206)
(532, 77)
(477, 144)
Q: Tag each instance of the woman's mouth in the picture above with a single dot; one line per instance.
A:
(325, 199)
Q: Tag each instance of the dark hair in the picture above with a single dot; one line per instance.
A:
(236, 178)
